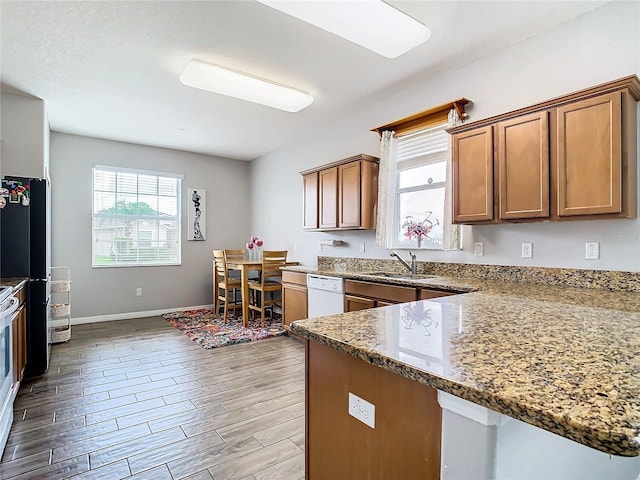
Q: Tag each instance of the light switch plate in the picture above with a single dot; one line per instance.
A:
(592, 251)
(478, 249)
(361, 247)
(527, 250)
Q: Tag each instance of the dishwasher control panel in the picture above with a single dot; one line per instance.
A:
(322, 282)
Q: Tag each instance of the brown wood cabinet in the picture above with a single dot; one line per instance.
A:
(310, 201)
(473, 175)
(19, 340)
(328, 204)
(405, 443)
(294, 297)
(589, 158)
(346, 192)
(362, 295)
(569, 158)
(428, 293)
(523, 167)
(353, 303)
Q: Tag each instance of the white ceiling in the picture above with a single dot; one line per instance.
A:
(110, 69)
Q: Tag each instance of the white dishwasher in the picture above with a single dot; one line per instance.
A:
(326, 295)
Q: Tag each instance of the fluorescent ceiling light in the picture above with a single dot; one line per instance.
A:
(217, 79)
(372, 24)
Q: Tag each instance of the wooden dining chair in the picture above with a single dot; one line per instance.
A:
(225, 287)
(264, 290)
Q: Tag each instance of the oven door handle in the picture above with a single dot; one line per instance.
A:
(13, 306)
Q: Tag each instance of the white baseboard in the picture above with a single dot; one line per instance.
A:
(125, 316)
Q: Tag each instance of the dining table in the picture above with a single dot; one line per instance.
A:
(244, 266)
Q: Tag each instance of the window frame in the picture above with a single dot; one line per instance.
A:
(395, 222)
(136, 219)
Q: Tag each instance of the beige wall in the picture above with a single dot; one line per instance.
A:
(24, 130)
(110, 291)
(600, 46)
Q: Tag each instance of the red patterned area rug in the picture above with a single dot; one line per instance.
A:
(209, 331)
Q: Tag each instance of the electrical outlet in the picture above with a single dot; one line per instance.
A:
(319, 247)
(361, 247)
(362, 410)
(478, 249)
(295, 245)
(527, 250)
(138, 292)
(592, 251)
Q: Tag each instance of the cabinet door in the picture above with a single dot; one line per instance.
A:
(19, 343)
(294, 303)
(310, 200)
(523, 167)
(328, 180)
(473, 175)
(589, 156)
(353, 304)
(349, 195)
(426, 294)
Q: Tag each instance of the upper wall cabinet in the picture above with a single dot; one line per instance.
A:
(570, 158)
(342, 195)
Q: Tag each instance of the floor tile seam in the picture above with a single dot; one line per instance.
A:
(52, 424)
(113, 395)
(142, 435)
(254, 475)
(120, 415)
(82, 439)
(150, 449)
(271, 425)
(124, 371)
(258, 392)
(93, 363)
(107, 389)
(147, 420)
(80, 406)
(217, 456)
(199, 447)
(22, 472)
(287, 457)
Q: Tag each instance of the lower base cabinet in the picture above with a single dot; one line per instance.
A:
(363, 295)
(405, 442)
(294, 297)
(19, 340)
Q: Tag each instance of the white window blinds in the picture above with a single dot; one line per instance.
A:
(136, 217)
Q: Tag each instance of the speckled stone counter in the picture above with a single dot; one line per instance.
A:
(563, 359)
(13, 282)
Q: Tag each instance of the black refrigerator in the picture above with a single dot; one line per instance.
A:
(25, 252)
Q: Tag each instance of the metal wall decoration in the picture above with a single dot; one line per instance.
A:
(197, 200)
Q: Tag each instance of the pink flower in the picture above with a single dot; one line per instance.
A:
(249, 245)
(258, 242)
(253, 239)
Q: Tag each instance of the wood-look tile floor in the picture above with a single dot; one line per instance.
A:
(138, 399)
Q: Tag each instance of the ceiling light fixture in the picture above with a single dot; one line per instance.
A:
(217, 79)
(372, 24)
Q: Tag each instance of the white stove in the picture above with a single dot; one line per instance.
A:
(8, 305)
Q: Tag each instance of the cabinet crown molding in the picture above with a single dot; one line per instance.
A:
(355, 158)
(630, 83)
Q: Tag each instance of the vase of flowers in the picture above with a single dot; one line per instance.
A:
(418, 230)
(254, 249)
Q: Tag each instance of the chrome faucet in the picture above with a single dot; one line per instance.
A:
(413, 268)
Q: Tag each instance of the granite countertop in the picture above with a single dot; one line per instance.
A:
(560, 358)
(15, 282)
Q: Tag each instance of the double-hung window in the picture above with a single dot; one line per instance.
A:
(419, 192)
(136, 217)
